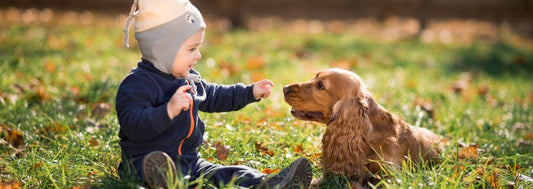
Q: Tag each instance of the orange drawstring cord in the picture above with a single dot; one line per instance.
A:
(192, 124)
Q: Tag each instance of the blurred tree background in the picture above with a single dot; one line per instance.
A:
(416, 15)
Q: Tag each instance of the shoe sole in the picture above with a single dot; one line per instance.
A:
(301, 180)
(155, 169)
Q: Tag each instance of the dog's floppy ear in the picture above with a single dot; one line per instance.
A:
(350, 127)
(349, 111)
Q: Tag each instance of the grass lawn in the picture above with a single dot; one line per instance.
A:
(60, 72)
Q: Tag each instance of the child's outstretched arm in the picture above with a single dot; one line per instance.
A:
(225, 98)
(263, 88)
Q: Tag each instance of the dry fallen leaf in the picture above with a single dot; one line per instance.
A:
(302, 53)
(514, 167)
(50, 67)
(36, 166)
(458, 169)
(92, 173)
(12, 184)
(87, 185)
(483, 89)
(88, 76)
(270, 112)
(93, 142)
(263, 150)
(37, 94)
(298, 149)
(411, 84)
(222, 151)
(529, 137)
(20, 88)
(74, 90)
(459, 86)
(426, 106)
(255, 63)
(270, 171)
(243, 119)
(53, 129)
(14, 138)
(257, 76)
(238, 162)
(469, 152)
(100, 110)
(54, 43)
(493, 179)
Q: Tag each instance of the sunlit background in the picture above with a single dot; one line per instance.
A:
(461, 68)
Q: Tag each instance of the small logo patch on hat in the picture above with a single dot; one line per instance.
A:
(190, 19)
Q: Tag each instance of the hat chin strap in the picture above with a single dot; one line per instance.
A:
(131, 17)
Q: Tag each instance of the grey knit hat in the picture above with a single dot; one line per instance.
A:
(161, 27)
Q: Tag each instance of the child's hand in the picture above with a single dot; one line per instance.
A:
(263, 88)
(179, 101)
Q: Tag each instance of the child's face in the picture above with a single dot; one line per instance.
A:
(187, 55)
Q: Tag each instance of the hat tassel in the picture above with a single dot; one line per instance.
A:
(131, 18)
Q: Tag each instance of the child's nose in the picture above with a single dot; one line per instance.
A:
(197, 56)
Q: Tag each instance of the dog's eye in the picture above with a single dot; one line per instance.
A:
(320, 85)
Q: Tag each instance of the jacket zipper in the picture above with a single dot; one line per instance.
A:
(191, 129)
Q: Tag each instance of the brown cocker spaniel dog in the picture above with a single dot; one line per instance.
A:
(361, 136)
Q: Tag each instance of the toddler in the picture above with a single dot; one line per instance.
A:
(157, 104)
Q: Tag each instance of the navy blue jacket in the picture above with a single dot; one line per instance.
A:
(141, 106)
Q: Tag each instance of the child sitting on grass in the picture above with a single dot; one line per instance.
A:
(157, 104)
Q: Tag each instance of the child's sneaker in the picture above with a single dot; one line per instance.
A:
(156, 166)
(298, 175)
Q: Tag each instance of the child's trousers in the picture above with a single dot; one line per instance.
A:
(199, 168)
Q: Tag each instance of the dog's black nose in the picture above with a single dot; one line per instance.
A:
(286, 90)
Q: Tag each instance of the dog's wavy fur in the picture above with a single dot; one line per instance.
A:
(361, 136)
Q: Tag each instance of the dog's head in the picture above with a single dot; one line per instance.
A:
(316, 99)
